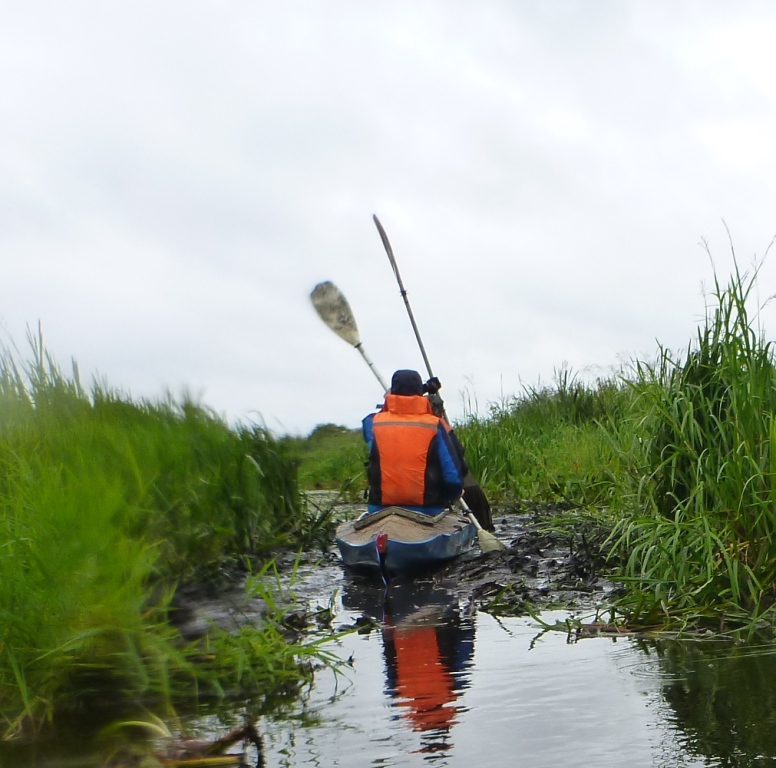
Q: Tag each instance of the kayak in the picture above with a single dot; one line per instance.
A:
(395, 541)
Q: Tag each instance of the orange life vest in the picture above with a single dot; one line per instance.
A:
(401, 470)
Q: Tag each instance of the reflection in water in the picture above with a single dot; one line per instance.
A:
(723, 700)
(427, 646)
(418, 695)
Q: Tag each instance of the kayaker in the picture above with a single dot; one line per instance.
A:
(413, 462)
(473, 494)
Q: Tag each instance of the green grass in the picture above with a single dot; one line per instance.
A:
(331, 457)
(551, 444)
(105, 505)
(701, 500)
(678, 456)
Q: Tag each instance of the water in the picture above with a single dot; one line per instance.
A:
(439, 688)
(435, 684)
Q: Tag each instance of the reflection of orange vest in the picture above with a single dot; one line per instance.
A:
(422, 680)
(403, 435)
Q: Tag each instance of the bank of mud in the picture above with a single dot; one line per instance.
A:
(554, 559)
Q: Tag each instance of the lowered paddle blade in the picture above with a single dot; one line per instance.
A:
(487, 541)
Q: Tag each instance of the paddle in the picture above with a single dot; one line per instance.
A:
(487, 541)
(333, 308)
(402, 290)
(476, 494)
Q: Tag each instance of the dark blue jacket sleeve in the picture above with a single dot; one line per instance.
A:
(367, 429)
(452, 476)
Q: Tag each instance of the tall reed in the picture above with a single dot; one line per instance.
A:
(106, 504)
(700, 535)
(550, 444)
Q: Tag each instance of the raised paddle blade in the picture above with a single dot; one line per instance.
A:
(333, 308)
(389, 251)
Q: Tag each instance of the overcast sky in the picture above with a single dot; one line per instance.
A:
(176, 177)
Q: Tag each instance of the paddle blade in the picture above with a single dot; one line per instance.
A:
(488, 542)
(333, 308)
(388, 249)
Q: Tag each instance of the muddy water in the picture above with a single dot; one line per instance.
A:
(433, 680)
(437, 684)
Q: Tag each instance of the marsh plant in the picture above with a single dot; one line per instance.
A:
(332, 458)
(551, 443)
(677, 456)
(105, 505)
(699, 536)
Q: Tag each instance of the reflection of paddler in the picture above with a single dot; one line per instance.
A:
(425, 657)
(423, 684)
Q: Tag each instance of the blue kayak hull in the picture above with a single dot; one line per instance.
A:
(411, 545)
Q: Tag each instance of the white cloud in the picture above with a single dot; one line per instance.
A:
(175, 178)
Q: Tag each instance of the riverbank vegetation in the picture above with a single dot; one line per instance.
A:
(699, 501)
(331, 457)
(106, 505)
(676, 458)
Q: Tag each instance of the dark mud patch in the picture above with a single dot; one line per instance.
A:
(554, 558)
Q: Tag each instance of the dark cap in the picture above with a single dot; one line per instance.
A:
(406, 383)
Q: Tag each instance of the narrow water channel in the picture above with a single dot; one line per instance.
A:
(433, 686)
(434, 683)
(430, 682)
